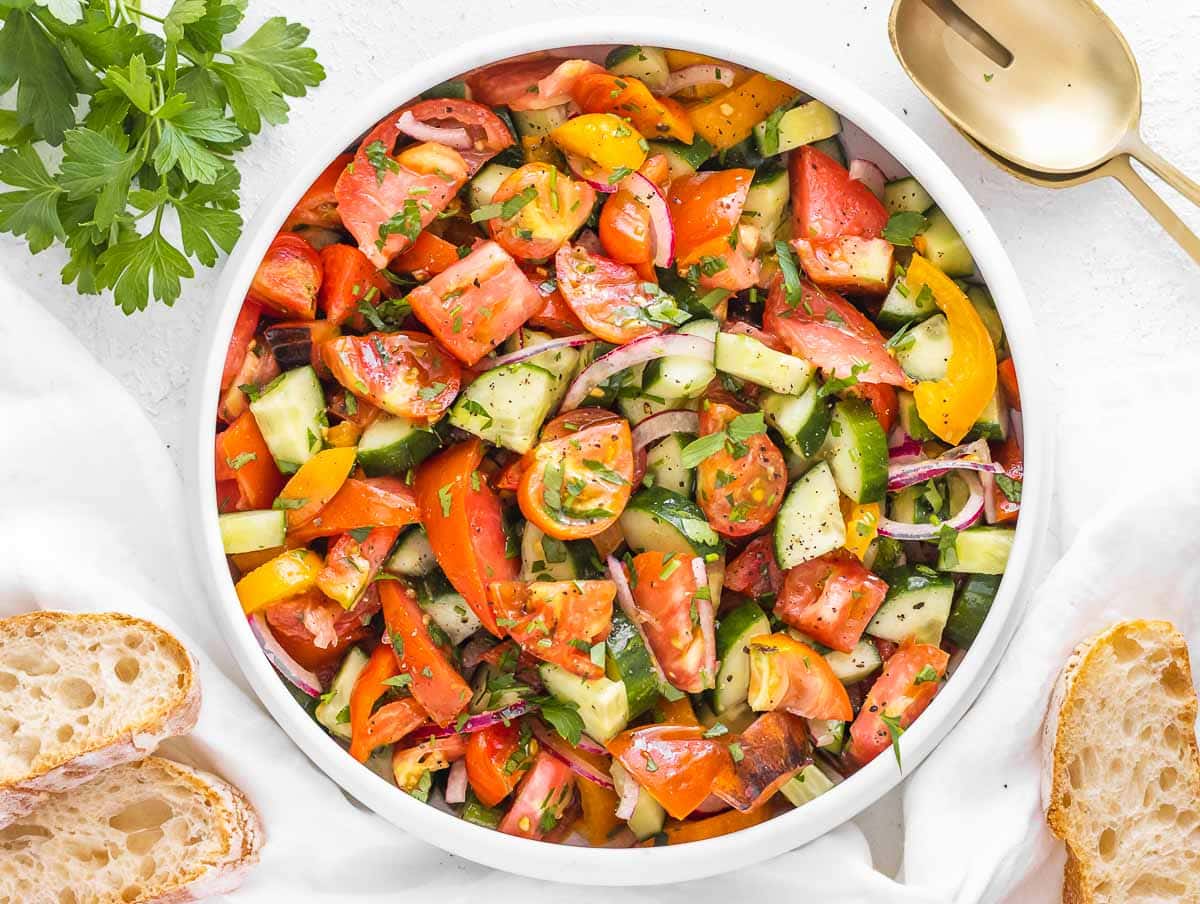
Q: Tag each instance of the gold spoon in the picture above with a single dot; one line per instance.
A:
(1049, 88)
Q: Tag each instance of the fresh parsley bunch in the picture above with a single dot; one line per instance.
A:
(147, 122)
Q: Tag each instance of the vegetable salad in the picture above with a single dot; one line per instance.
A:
(608, 452)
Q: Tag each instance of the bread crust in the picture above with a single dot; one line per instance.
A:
(135, 742)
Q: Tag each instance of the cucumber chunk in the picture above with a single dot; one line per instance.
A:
(562, 362)
(906, 195)
(646, 64)
(544, 558)
(450, 612)
(483, 187)
(748, 359)
(784, 130)
(333, 712)
(902, 306)
(993, 421)
(910, 420)
(831, 148)
(475, 812)
(507, 405)
(807, 784)
(859, 452)
(658, 519)
(648, 815)
(664, 465)
(925, 352)
(978, 550)
(603, 703)
(683, 159)
(971, 607)
(393, 445)
(628, 662)
(916, 606)
(290, 415)
(941, 243)
(985, 307)
(682, 376)
(809, 523)
(766, 203)
(733, 634)
(861, 662)
(828, 734)
(252, 531)
(802, 420)
(413, 556)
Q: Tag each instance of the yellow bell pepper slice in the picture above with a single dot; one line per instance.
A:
(862, 526)
(729, 117)
(951, 406)
(287, 575)
(604, 138)
(343, 435)
(318, 479)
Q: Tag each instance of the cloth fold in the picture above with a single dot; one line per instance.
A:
(93, 519)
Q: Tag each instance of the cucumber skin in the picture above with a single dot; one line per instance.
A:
(970, 608)
(873, 450)
(397, 459)
(629, 661)
(747, 620)
(671, 508)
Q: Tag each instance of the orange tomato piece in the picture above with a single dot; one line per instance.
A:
(288, 278)
(403, 373)
(676, 764)
(556, 621)
(653, 117)
(790, 675)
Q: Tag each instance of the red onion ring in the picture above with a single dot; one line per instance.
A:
(563, 751)
(962, 519)
(629, 799)
(592, 173)
(1018, 427)
(530, 351)
(869, 175)
(901, 445)
(297, 675)
(907, 473)
(590, 745)
(708, 627)
(475, 723)
(449, 136)
(637, 352)
(700, 74)
(662, 230)
(456, 783)
(625, 600)
(663, 424)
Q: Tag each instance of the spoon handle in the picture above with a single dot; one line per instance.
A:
(1165, 170)
(1121, 170)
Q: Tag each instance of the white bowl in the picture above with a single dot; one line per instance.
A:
(638, 865)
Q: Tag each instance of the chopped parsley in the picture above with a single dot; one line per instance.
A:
(405, 222)
(240, 461)
(791, 275)
(892, 724)
(903, 226)
(446, 499)
(1010, 487)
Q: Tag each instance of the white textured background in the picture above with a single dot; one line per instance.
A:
(1109, 290)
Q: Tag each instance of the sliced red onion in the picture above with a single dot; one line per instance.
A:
(869, 175)
(530, 351)
(664, 424)
(637, 352)
(980, 451)
(590, 745)
(593, 174)
(962, 519)
(629, 799)
(567, 754)
(662, 231)
(456, 783)
(475, 723)
(708, 627)
(449, 136)
(902, 446)
(908, 473)
(711, 804)
(296, 674)
(1018, 427)
(625, 600)
(700, 74)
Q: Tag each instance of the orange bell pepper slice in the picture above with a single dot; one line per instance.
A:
(951, 406)
(599, 819)
(317, 482)
(373, 502)
(1006, 373)
(242, 456)
(862, 525)
(712, 827)
(288, 574)
(729, 117)
(657, 117)
(390, 722)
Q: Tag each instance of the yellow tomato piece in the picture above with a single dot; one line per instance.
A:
(862, 526)
(729, 117)
(604, 138)
(951, 406)
(286, 575)
(316, 482)
(681, 59)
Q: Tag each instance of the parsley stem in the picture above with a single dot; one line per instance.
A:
(138, 11)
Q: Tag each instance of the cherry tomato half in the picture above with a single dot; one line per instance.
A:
(610, 298)
(740, 486)
(789, 675)
(556, 208)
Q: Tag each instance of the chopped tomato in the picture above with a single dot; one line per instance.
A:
(428, 256)
(462, 517)
(740, 486)
(774, 748)
(667, 593)
(318, 207)
(911, 677)
(723, 267)
(315, 483)
(657, 169)
(402, 716)
(289, 277)
(831, 599)
(346, 406)
(576, 487)
(439, 689)
(242, 457)
(259, 368)
(497, 759)
(244, 329)
(755, 572)
(373, 502)
(476, 303)
(407, 374)
(601, 145)
(705, 210)
(556, 621)
(676, 764)
(827, 203)
(555, 315)
(882, 399)
(317, 632)
(1008, 455)
(824, 328)
(529, 84)
(554, 208)
(611, 299)
(625, 228)
(486, 132)
(411, 764)
(770, 340)
(349, 278)
(789, 675)
(847, 263)
(1006, 375)
(653, 117)
(542, 799)
(352, 563)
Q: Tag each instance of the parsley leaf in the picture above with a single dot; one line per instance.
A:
(903, 226)
(1010, 487)
(563, 718)
(892, 724)
(699, 449)
(947, 546)
(446, 499)
(744, 426)
(791, 275)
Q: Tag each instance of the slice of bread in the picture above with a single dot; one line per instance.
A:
(150, 831)
(1123, 770)
(83, 692)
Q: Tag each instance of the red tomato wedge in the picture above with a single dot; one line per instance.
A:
(1008, 454)
(676, 764)
(542, 799)
(611, 299)
(373, 502)
(529, 84)
(827, 203)
(847, 263)
(351, 564)
(755, 572)
(386, 198)
(487, 133)
(830, 332)
(258, 368)
(555, 315)
(554, 207)
(368, 732)
(665, 591)
(463, 519)
(653, 117)
(475, 304)
(289, 277)
(436, 684)
(427, 256)
(1006, 376)
(244, 329)
(407, 374)
(318, 207)
(556, 621)
(910, 680)
(831, 599)
(774, 748)
(242, 457)
(349, 278)
(741, 486)
(577, 486)
(789, 675)
(497, 759)
(705, 210)
(317, 632)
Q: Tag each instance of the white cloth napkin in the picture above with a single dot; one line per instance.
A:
(92, 518)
